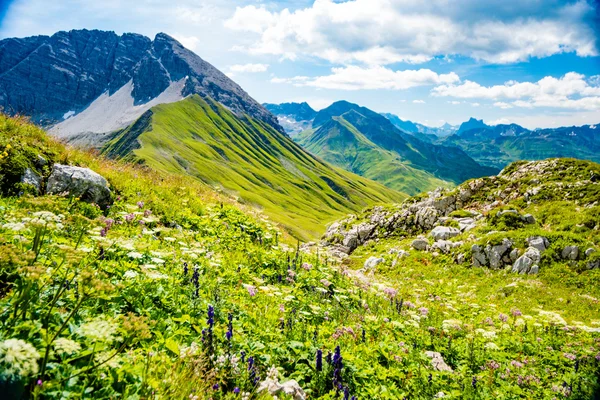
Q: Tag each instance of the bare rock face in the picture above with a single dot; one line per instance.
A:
(52, 78)
(79, 182)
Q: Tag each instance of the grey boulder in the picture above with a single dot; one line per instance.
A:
(420, 244)
(444, 232)
(570, 253)
(79, 182)
(539, 242)
(528, 262)
(372, 262)
(31, 178)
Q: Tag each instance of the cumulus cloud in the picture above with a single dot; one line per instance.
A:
(569, 91)
(356, 78)
(249, 68)
(380, 32)
(419, 101)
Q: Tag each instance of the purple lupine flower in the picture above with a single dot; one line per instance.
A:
(236, 390)
(210, 321)
(185, 269)
(103, 232)
(229, 333)
(319, 360)
(195, 281)
(346, 393)
(243, 356)
(474, 382)
(216, 386)
(337, 364)
(516, 312)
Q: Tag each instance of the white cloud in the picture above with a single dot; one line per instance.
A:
(475, 104)
(379, 32)
(189, 42)
(419, 101)
(454, 102)
(249, 68)
(355, 78)
(569, 91)
(500, 121)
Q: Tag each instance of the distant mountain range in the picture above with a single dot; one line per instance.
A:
(294, 117)
(497, 146)
(365, 142)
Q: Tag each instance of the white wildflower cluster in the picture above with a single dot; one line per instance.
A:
(45, 218)
(485, 333)
(14, 226)
(232, 361)
(98, 330)
(64, 346)
(272, 386)
(451, 325)
(130, 274)
(189, 351)
(18, 359)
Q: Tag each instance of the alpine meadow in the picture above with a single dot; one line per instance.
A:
(359, 199)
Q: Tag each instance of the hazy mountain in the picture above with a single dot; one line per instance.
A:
(423, 132)
(293, 117)
(472, 123)
(83, 84)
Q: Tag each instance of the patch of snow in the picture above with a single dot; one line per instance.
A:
(592, 126)
(110, 113)
(68, 114)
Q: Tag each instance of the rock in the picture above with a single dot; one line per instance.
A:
(364, 231)
(528, 219)
(534, 269)
(593, 264)
(350, 241)
(465, 224)
(479, 257)
(437, 361)
(525, 263)
(460, 258)
(420, 244)
(570, 253)
(501, 213)
(442, 245)
(539, 242)
(444, 232)
(79, 182)
(495, 253)
(589, 252)
(372, 262)
(40, 161)
(426, 217)
(31, 178)
(514, 254)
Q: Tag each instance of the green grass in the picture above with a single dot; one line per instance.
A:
(250, 160)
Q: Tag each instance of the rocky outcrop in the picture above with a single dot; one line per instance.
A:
(528, 262)
(493, 256)
(444, 232)
(33, 179)
(79, 182)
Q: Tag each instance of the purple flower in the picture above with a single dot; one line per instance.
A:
(516, 312)
(103, 232)
(39, 382)
(390, 292)
(216, 386)
(229, 333)
(236, 390)
(129, 217)
(516, 364)
(424, 311)
(319, 360)
(109, 223)
(570, 356)
(503, 317)
(140, 204)
(493, 365)
(147, 213)
(251, 290)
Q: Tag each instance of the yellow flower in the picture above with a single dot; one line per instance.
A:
(8, 147)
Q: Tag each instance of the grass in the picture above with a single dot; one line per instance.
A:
(248, 159)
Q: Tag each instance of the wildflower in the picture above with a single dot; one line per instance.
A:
(195, 280)
(64, 346)
(516, 312)
(147, 213)
(229, 333)
(251, 289)
(18, 359)
(185, 269)
(503, 317)
(337, 368)
(390, 292)
(424, 311)
(489, 321)
(516, 364)
(491, 346)
(109, 223)
(281, 308)
(493, 365)
(409, 304)
(325, 282)
(216, 386)
(319, 360)
(236, 390)
(98, 330)
(129, 217)
(570, 356)
(140, 204)
(307, 266)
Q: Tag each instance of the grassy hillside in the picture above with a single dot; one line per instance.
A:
(175, 293)
(340, 143)
(388, 155)
(249, 159)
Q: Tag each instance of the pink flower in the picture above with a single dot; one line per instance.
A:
(129, 217)
(489, 321)
(493, 365)
(147, 213)
(516, 312)
(503, 317)
(409, 304)
(325, 282)
(424, 311)
(281, 308)
(570, 356)
(390, 292)
(140, 204)
(103, 232)
(251, 290)
(516, 364)
(307, 266)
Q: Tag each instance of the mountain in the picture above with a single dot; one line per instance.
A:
(406, 126)
(472, 123)
(365, 142)
(499, 145)
(423, 132)
(84, 84)
(247, 158)
(156, 103)
(293, 117)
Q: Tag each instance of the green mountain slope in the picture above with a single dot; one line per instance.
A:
(341, 144)
(391, 156)
(249, 159)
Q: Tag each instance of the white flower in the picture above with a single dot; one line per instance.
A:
(18, 359)
(130, 274)
(98, 330)
(491, 346)
(66, 346)
(14, 226)
(134, 254)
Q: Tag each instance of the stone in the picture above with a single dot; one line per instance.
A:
(539, 242)
(479, 257)
(589, 252)
(420, 244)
(444, 232)
(514, 254)
(503, 212)
(528, 219)
(495, 253)
(534, 269)
(31, 178)
(442, 245)
(525, 263)
(465, 224)
(350, 241)
(40, 161)
(364, 231)
(570, 253)
(372, 262)
(79, 182)
(426, 217)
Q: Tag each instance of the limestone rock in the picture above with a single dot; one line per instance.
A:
(31, 178)
(479, 257)
(526, 263)
(528, 219)
(420, 244)
(79, 182)
(444, 232)
(539, 242)
(372, 262)
(570, 253)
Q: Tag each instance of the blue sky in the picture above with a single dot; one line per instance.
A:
(533, 62)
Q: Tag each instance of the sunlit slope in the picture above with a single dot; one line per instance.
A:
(250, 159)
